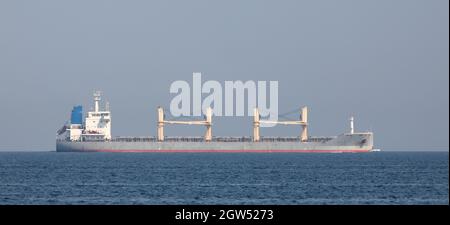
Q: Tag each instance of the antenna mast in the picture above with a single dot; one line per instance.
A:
(97, 98)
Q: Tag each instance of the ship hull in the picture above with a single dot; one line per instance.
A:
(343, 143)
(226, 151)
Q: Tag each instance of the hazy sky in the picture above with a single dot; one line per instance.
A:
(384, 61)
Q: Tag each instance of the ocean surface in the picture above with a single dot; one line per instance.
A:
(221, 178)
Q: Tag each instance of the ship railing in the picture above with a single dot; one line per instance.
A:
(183, 139)
(216, 139)
(232, 139)
(279, 139)
(320, 139)
(133, 139)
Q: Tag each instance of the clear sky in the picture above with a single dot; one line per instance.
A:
(384, 61)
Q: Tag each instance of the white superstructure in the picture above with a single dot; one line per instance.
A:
(95, 127)
(97, 124)
(75, 132)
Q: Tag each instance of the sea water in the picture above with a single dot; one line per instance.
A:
(224, 178)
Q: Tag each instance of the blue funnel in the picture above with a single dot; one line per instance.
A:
(77, 115)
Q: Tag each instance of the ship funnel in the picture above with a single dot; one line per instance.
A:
(76, 116)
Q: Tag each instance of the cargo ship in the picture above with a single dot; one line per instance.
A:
(92, 133)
